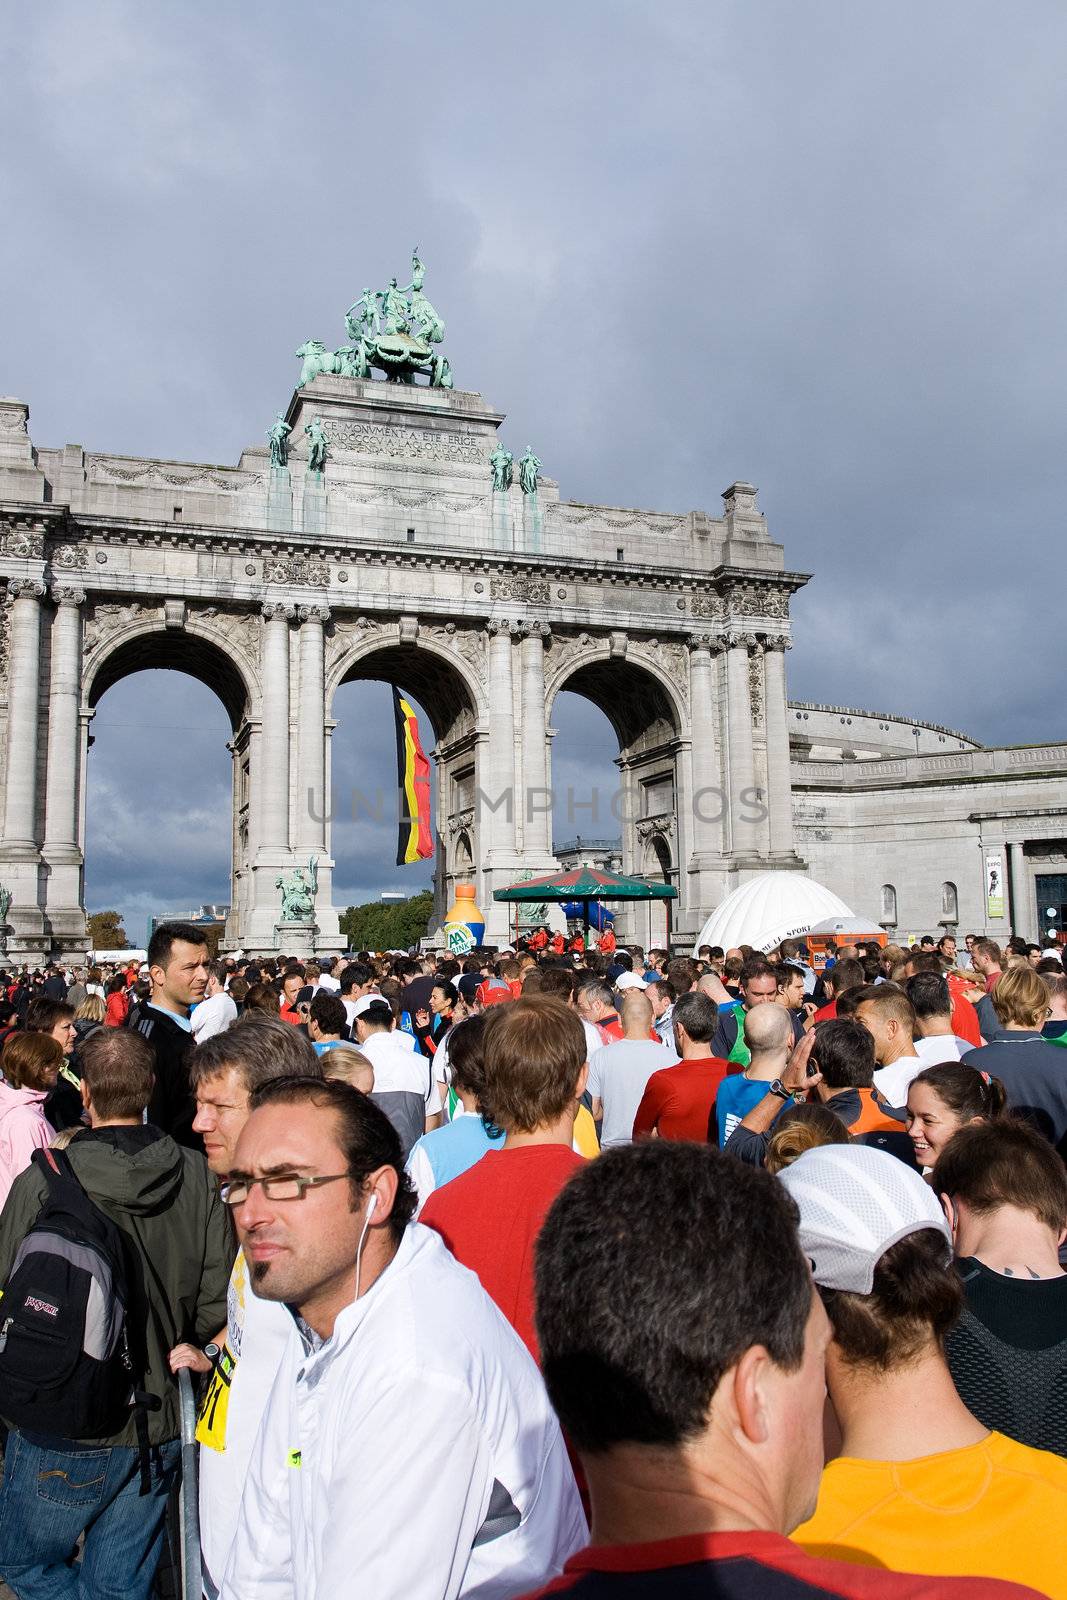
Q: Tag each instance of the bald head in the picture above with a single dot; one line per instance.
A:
(768, 1030)
(635, 1014)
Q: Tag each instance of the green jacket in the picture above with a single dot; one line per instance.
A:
(167, 1201)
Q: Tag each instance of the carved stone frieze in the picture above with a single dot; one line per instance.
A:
(519, 586)
(24, 543)
(460, 822)
(469, 643)
(297, 569)
(758, 600)
(670, 660)
(655, 828)
(416, 444)
(109, 617)
(707, 604)
(100, 469)
(755, 684)
(240, 624)
(71, 557)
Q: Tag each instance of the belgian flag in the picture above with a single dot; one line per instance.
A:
(414, 838)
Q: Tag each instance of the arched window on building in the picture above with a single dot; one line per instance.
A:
(950, 905)
(888, 918)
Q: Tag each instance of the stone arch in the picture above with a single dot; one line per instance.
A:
(448, 688)
(439, 678)
(658, 866)
(146, 643)
(633, 691)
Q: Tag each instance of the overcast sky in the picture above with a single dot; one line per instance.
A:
(811, 243)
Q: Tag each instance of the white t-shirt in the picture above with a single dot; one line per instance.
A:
(618, 1076)
(212, 1016)
(893, 1081)
(941, 1047)
(593, 1039)
(257, 1332)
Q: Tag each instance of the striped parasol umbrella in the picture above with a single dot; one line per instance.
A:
(586, 885)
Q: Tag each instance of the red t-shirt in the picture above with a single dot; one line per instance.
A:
(964, 1017)
(490, 1217)
(749, 1566)
(677, 1100)
(826, 1013)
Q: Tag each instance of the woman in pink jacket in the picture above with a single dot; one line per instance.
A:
(30, 1065)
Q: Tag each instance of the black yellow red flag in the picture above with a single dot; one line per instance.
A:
(414, 836)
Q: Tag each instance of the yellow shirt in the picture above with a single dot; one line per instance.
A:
(585, 1139)
(992, 1510)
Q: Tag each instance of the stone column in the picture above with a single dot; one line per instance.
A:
(311, 801)
(64, 729)
(779, 791)
(273, 788)
(495, 796)
(708, 802)
(744, 806)
(536, 802)
(23, 696)
(1023, 914)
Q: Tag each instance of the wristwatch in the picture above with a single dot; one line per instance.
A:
(779, 1088)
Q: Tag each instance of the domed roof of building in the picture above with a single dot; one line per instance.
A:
(768, 908)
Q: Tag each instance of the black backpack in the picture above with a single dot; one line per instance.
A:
(65, 1362)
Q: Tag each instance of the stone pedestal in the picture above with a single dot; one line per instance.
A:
(314, 507)
(280, 501)
(532, 523)
(295, 938)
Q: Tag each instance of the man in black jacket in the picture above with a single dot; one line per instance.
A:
(166, 1202)
(178, 970)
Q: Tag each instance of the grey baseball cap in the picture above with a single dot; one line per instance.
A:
(854, 1203)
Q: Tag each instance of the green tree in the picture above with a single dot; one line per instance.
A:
(395, 925)
(106, 931)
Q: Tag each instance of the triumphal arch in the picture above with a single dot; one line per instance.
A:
(385, 530)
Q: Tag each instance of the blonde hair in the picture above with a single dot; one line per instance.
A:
(1020, 996)
(348, 1065)
(92, 1009)
(64, 1136)
(803, 1127)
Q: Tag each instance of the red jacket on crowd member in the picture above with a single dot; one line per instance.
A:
(116, 1009)
(538, 941)
(964, 1016)
(558, 945)
(606, 943)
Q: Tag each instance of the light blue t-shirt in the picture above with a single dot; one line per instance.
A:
(320, 1046)
(454, 1148)
(737, 1095)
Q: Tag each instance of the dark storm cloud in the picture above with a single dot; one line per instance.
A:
(820, 246)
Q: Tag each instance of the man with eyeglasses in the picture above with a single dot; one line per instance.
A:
(244, 1356)
(408, 1446)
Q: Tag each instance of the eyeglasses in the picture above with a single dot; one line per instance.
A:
(288, 1186)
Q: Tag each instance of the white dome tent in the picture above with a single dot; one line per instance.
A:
(769, 908)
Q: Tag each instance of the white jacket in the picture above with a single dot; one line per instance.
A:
(413, 1456)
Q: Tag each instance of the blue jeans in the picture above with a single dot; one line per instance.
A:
(55, 1491)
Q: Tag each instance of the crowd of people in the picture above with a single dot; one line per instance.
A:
(540, 1271)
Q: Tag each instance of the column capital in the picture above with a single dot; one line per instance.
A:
(271, 609)
(313, 614)
(64, 595)
(704, 641)
(777, 641)
(533, 630)
(733, 640)
(497, 626)
(26, 589)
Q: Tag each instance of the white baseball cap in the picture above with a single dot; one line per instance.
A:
(365, 1002)
(630, 980)
(854, 1203)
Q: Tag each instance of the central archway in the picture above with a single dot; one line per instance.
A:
(646, 717)
(449, 725)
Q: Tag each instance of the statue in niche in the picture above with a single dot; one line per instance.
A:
(5, 904)
(318, 444)
(529, 467)
(500, 465)
(278, 439)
